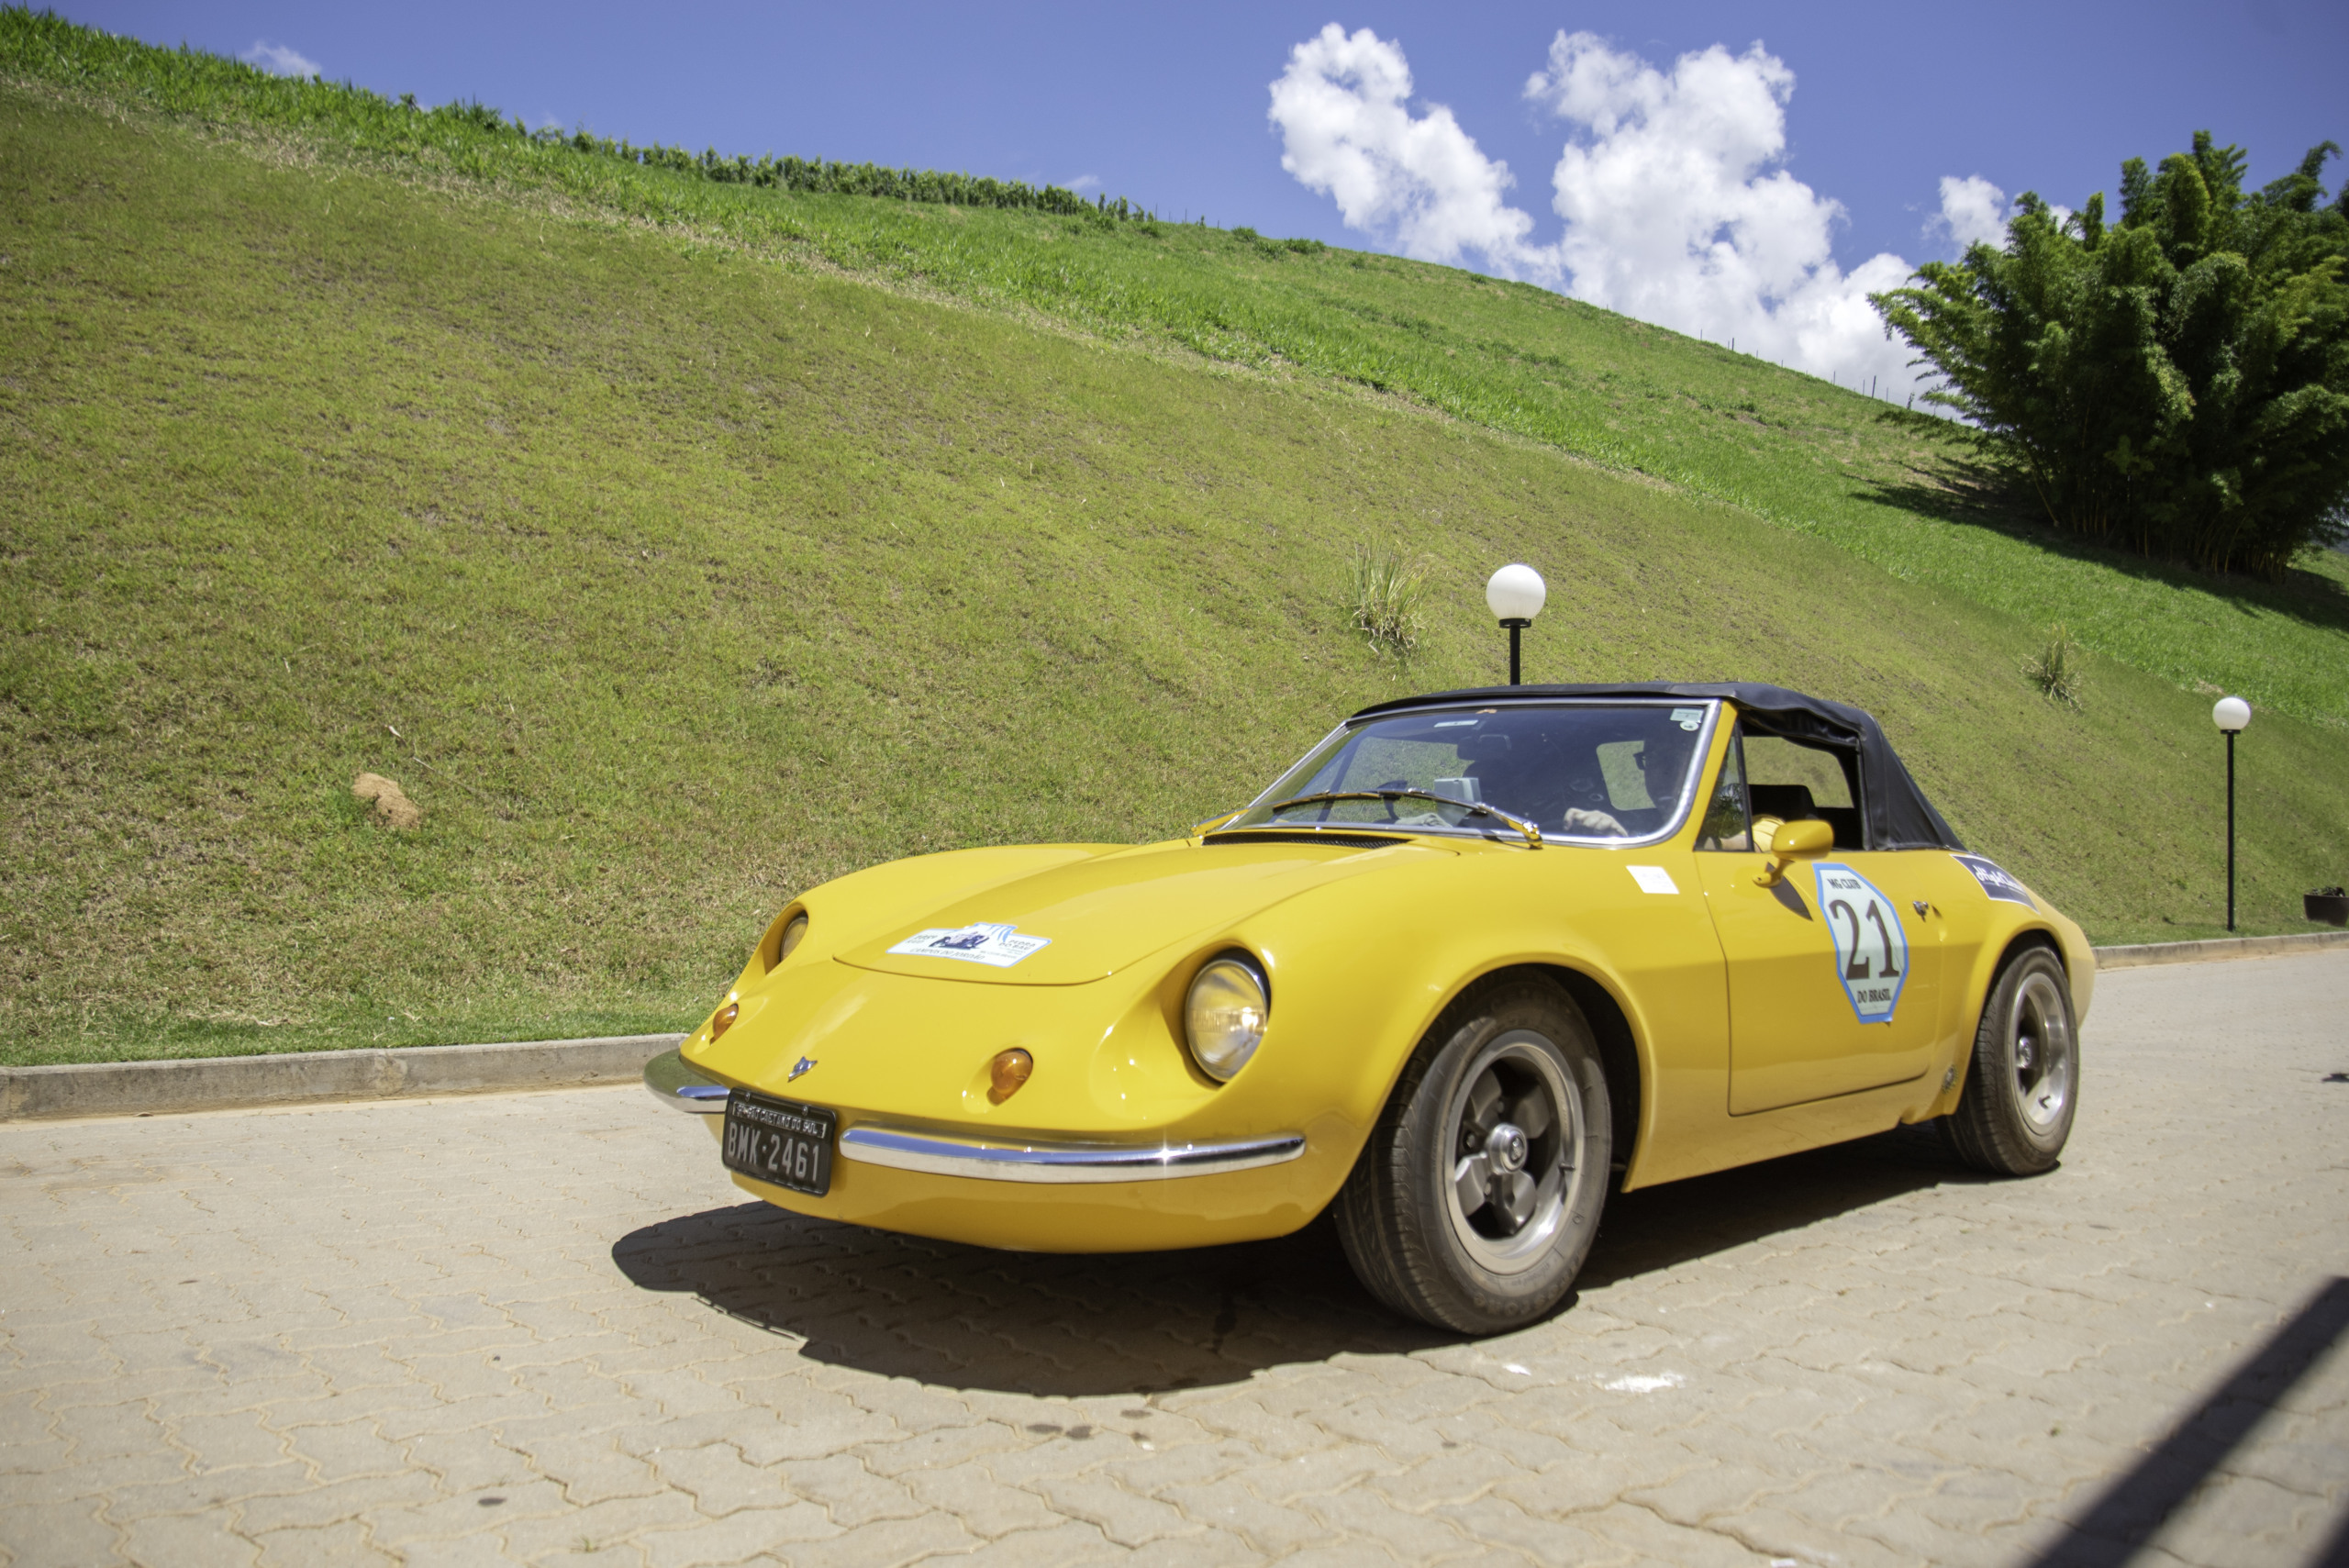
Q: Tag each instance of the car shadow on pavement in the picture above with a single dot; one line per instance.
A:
(1658, 1228)
(969, 1318)
(1053, 1324)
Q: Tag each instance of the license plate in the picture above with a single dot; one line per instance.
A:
(780, 1141)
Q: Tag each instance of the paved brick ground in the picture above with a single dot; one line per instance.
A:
(543, 1327)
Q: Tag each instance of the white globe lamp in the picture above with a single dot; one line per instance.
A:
(1515, 594)
(2231, 715)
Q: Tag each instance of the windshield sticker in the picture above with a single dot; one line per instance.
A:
(1688, 717)
(998, 947)
(1456, 724)
(1871, 949)
(1997, 881)
(1653, 879)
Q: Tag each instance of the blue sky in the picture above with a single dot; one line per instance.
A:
(1169, 105)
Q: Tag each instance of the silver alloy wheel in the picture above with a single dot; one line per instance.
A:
(2039, 1043)
(1514, 1133)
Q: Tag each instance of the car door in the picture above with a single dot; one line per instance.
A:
(1834, 968)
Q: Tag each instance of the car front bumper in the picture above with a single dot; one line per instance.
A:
(1132, 1196)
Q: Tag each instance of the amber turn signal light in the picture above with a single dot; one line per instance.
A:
(1006, 1072)
(724, 1018)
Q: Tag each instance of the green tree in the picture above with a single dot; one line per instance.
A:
(2177, 383)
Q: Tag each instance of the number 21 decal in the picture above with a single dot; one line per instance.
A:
(1871, 949)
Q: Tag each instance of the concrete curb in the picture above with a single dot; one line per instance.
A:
(215, 1083)
(2145, 953)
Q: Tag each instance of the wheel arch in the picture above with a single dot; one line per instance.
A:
(2030, 937)
(2017, 943)
(1619, 1050)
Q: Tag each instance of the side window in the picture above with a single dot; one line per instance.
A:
(1789, 781)
(1726, 825)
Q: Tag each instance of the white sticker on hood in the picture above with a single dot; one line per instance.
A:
(1653, 879)
(998, 947)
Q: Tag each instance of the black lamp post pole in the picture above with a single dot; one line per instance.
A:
(1517, 626)
(2231, 830)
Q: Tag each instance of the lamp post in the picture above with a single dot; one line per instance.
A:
(1515, 594)
(2231, 715)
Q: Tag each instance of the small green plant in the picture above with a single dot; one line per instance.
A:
(1385, 588)
(2056, 670)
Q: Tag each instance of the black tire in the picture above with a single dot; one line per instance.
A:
(2022, 1087)
(1503, 1058)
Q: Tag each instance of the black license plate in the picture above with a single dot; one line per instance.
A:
(780, 1141)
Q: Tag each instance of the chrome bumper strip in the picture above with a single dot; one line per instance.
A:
(677, 1085)
(1064, 1161)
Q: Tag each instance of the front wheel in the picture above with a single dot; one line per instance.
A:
(2023, 1085)
(1477, 1197)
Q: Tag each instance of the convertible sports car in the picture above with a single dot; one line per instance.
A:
(1479, 958)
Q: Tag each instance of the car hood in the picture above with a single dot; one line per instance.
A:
(1080, 922)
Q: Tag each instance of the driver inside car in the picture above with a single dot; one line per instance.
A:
(1536, 785)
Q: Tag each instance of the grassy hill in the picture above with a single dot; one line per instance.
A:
(676, 545)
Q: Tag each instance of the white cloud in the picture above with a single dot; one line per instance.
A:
(1973, 211)
(1677, 212)
(280, 60)
(1347, 132)
(1082, 184)
(1676, 207)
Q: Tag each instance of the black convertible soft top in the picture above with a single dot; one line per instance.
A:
(1898, 816)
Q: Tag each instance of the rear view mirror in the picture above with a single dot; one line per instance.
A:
(1803, 840)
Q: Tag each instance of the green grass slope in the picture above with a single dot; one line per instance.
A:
(1892, 487)
(668, 580)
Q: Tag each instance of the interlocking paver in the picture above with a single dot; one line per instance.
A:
(1497, 1522)
(1773, 1534)
(345, 1543)
(986, 1506)
(1269, 1529)
(1047, 1546)
(850, 1495)
(740, 1537)
(886, 1543)
(1364, 1513)
(543, 1328)
(199, 1541)
(66, 1534)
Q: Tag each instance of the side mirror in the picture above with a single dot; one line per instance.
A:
(1212, 823)
(1804, 840)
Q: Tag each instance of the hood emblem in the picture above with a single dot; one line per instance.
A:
(801, 1068)
(996, 946)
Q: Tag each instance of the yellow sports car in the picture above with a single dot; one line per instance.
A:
(1479, 958)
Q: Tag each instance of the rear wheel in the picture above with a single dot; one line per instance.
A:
(1477, 1197)
(2023, 1085)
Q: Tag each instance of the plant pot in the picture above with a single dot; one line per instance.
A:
(2332, 908)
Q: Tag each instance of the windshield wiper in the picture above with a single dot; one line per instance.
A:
(1475, 809)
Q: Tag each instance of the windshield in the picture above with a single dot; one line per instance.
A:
(1594, 770)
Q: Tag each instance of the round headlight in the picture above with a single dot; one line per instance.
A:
(1224, 1014)
(793, 935)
